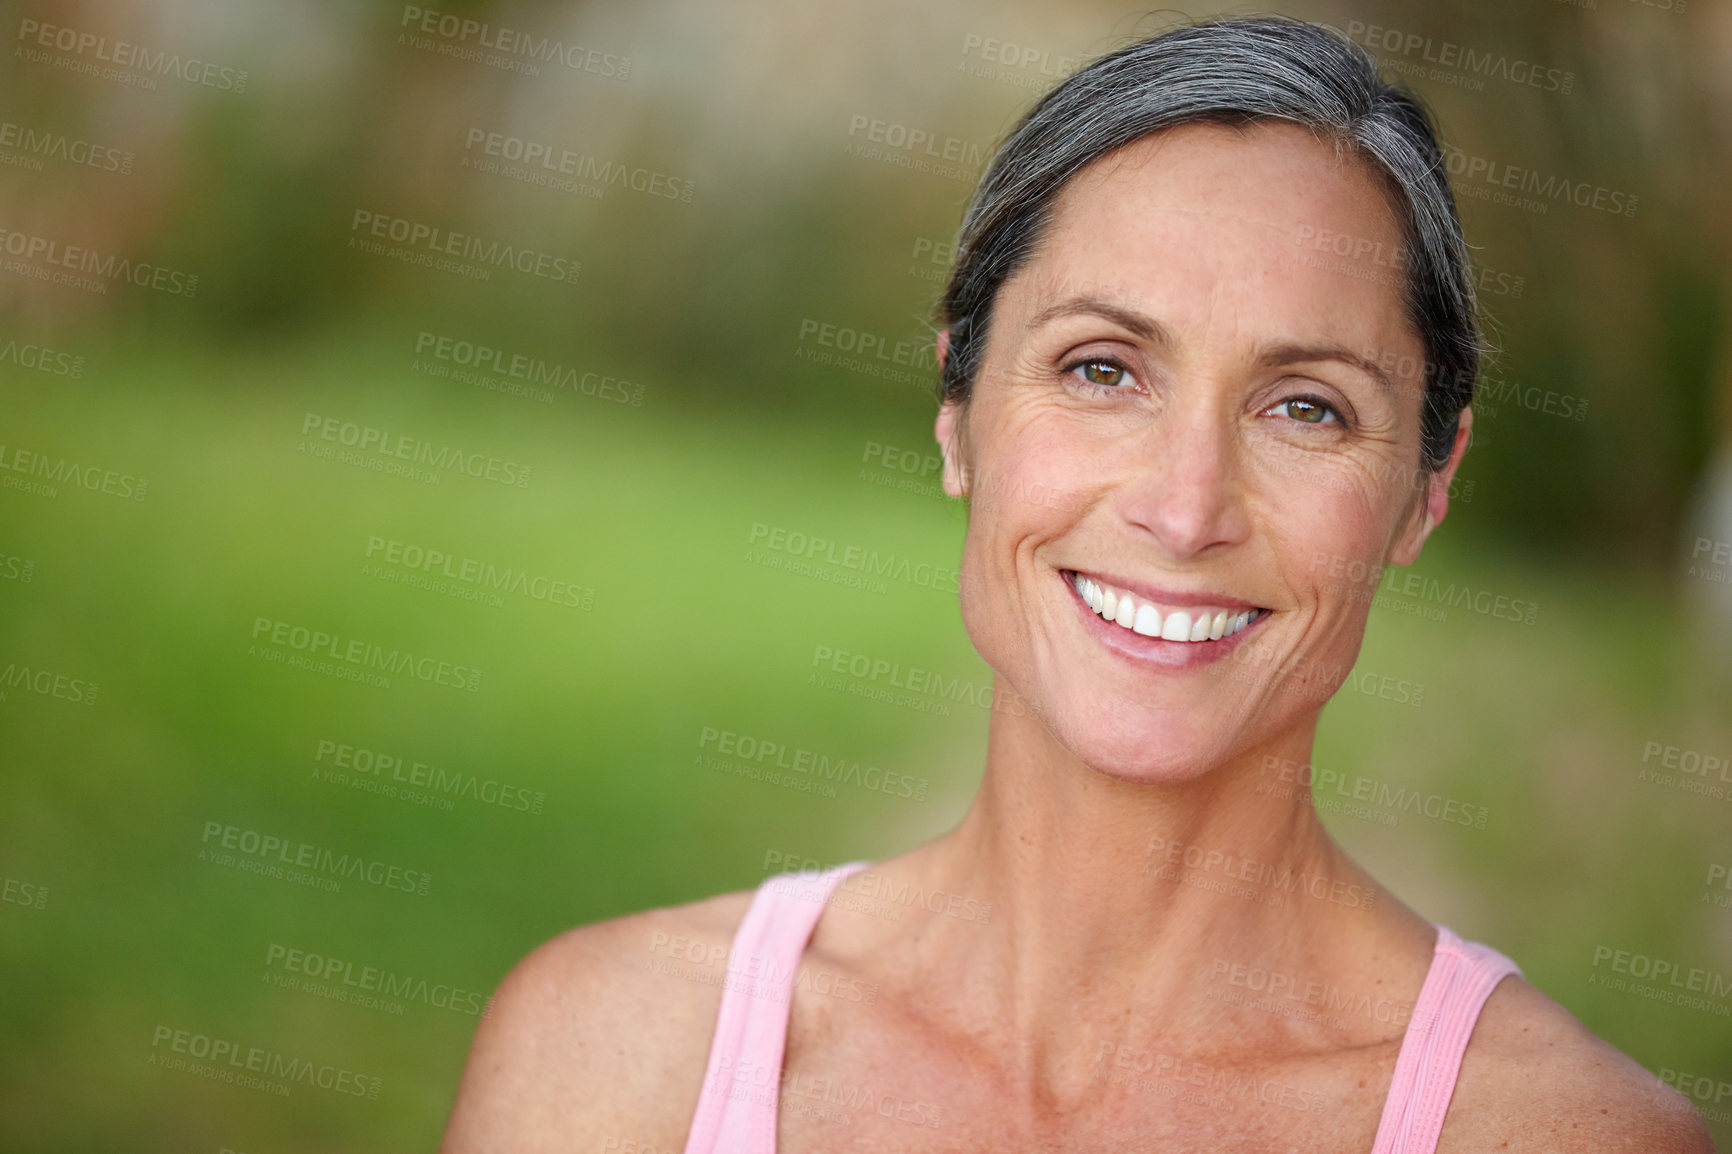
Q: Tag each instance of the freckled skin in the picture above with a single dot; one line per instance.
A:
(1094, 1009)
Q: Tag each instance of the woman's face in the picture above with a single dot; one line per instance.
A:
(1199, 395)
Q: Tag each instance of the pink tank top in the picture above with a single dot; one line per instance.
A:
(737, 1108)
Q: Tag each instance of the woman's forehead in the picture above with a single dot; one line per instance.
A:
(1269, 223)
(1269, 169)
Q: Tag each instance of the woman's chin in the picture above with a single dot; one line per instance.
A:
(1172, 767)
(1152, 748)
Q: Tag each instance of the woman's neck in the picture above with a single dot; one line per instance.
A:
(1113, 899)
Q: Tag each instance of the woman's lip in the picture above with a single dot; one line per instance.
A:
(1156, 651)
(1161, 596)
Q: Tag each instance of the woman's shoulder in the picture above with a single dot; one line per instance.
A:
(1535, 1080)
(602, 1032)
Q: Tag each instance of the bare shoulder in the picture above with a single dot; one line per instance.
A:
(1534, 1080)
(598, 1039)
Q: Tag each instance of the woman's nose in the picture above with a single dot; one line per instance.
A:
(1182, 482)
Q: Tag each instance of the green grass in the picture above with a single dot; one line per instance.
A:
(601, 711)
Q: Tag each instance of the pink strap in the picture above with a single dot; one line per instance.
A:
(1462, 976)
(743, 1081)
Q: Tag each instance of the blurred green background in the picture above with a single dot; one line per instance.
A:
(668, 399)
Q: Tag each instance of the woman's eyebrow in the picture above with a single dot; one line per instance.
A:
(1151, 330)
(1146, 327)
(1273, 356)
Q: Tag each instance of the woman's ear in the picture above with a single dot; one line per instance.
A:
(953, 445)
(1434, 505)
(948, 429)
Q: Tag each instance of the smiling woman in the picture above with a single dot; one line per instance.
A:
(1211, 304)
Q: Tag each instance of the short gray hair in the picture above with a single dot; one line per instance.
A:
(1234, 72)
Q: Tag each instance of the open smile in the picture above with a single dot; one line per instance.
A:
(1197, 622)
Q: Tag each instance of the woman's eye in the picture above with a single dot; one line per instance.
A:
(1309, 410)
(1100, 373)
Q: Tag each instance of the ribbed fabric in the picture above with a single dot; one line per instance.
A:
(1461, 978)
(737, 1107)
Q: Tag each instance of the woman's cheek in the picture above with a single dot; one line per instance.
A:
(1329, 501)
(981, 619)
(1035, 479)
(999, 521)
(1331, 549)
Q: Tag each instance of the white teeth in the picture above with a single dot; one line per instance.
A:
(1127, 611)
(1147, 621)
